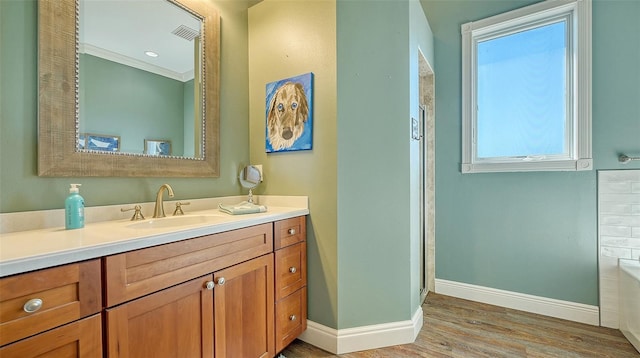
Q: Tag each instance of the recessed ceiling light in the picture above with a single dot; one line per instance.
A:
(151, 54)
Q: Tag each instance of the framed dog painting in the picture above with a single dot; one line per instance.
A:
(289, 113)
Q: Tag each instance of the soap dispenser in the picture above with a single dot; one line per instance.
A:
(74, 209)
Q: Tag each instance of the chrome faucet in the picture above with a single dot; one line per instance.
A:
(158, 211)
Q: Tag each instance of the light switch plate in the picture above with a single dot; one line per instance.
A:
(415, 129)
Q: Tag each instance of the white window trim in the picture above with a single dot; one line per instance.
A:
(580, 153)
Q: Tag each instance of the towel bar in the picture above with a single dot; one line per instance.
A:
(623, 158)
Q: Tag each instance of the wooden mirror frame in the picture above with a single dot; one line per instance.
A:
(58, 155)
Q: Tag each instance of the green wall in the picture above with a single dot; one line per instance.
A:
(363, 226)
(534, 233)
(378, 187)
(20, 187)
(373, 182)
(131, 103)
(289, 38)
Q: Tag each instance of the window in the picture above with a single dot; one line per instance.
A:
(526, 89)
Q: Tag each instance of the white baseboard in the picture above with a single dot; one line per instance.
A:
(340, 341)
(571, 311)
(321, 336)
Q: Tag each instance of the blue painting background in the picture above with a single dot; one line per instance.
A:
(106, 143)
(306, 139)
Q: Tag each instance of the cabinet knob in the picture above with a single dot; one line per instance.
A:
(292, 269)
(292, 231)
(32, 305)
(209, 285)
(221, 281)
(292, 317)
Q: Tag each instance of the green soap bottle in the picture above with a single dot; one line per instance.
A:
(74, 209)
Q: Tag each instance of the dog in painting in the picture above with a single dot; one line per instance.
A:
(287, 115)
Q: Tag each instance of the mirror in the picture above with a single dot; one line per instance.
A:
(82, 130)
(144, 81)
(249, 177)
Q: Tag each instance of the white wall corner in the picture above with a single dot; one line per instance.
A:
(363, 338)
(571, 311)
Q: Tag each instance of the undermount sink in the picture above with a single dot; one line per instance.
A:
(174, 221)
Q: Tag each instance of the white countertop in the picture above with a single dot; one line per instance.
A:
(24, 251)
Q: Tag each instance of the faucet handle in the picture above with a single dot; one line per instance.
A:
(137, 215)
(178, 210)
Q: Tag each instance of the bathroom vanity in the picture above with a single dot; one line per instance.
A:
(235, 288)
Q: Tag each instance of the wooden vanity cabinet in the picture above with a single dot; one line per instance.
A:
(43, 312)
(240, 293)
(290, 279)
(132, 274)
(228, 311)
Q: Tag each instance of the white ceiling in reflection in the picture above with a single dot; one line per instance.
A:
(123, 30)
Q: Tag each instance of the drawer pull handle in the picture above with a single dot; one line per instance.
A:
(210, 285)
(32, 305)
(292, 317)
(292, 269)
(221, 281)
(292, 231)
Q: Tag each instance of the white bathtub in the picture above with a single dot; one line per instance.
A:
(629, 296)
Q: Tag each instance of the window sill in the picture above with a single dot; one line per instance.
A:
(560, 165)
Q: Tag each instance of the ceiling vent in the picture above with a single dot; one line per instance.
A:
(186, 33)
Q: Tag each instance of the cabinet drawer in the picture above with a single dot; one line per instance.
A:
(67, 293)
(289, 232)
(82, 339)
(291, 318)
(291, 269)
(136, 273)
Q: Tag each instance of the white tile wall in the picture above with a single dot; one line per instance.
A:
(618, 234)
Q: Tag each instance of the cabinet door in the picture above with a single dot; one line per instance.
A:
(174, 322)
(79, 339)
(244, 310)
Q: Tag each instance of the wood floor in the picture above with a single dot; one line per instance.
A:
(458, 328)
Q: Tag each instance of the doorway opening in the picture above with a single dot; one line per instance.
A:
(427, 176)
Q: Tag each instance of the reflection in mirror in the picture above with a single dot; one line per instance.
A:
(249, 177)
(157, 147)
(72, 74)
(138, 74)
